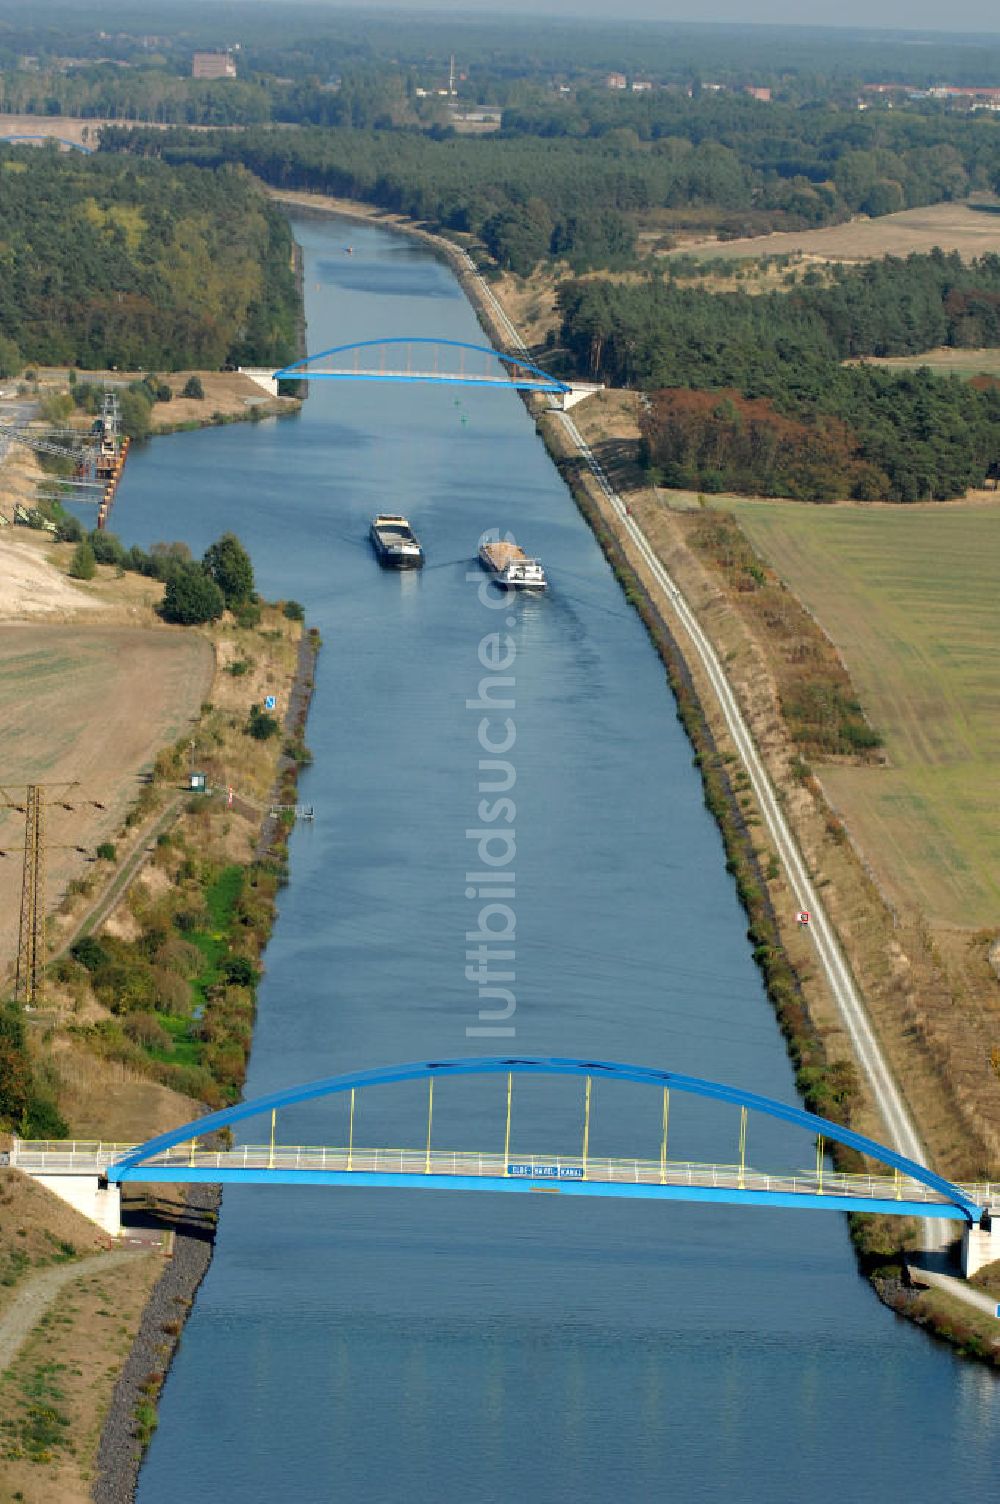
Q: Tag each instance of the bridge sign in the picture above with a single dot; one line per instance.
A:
(547, 1172)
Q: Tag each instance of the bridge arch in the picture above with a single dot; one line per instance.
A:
(610, 1070)
(20, 137)
(534, 379)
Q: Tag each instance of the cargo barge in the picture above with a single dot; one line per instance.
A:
(510, 566)
(395, 543)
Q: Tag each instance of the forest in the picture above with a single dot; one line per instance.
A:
(751, 393)
(533, 193)
(107, 261)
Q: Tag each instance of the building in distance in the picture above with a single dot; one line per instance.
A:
(213, 65)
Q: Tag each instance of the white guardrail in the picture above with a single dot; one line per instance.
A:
(78, 1157)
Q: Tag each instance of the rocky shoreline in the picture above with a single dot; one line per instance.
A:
(124, 1438)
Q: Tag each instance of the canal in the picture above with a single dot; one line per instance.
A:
(381, 1345)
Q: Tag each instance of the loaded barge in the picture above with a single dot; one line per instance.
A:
(510, 566)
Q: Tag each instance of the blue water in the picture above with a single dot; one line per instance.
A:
(382, 1345)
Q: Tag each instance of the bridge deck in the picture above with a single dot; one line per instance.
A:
(457, 378)
(341, 1165)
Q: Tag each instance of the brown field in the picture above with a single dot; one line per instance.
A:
(89, 697)
(972, 228)
(63, 127)
(908, 595)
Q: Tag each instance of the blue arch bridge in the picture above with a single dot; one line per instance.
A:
(444, 362)
(201, 1151)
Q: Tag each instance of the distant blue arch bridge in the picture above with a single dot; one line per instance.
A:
(446, 362)
(195, 1152)
(22, 138)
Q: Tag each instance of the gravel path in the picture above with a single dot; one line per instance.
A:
(36, 1295)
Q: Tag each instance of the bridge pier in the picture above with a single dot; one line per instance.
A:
(981, 1245)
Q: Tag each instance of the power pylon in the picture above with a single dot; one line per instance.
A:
(31, 935)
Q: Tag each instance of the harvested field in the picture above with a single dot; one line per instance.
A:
(88, 699)
(909, 597)
(972, 228)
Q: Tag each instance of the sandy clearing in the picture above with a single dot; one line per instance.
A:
(30, 586)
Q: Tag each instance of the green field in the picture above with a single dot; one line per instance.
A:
(945, 362)
(909, 596)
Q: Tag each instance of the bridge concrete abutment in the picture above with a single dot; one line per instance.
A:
(981, 1245)
(262, 377)
(90, 1195)
(578, 391)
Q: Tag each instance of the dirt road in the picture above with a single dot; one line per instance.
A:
(37, 1293)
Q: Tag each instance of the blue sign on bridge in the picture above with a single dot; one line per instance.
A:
(547, 1172)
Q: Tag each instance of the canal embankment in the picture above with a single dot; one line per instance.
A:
(149, 1000)
(131, 1418)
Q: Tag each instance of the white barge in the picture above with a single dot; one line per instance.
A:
(510, 566)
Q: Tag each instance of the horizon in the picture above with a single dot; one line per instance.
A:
(914, 19)
(970, 18)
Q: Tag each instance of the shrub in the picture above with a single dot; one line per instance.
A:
(261, 726)
(83, 564)
(10, 357)
(69, 530)
(240, 972)
(146, 1029)
(173, 995)
(247, 615)
(25, 1104)
(294, 611)
(164, 558)
(106, 852)
(191, 597)
(193, 388)
(126, 985)
(179, 956)
(107, 547)
(135, 405)
(90, 953)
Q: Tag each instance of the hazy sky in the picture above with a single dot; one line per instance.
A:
(909, 15)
